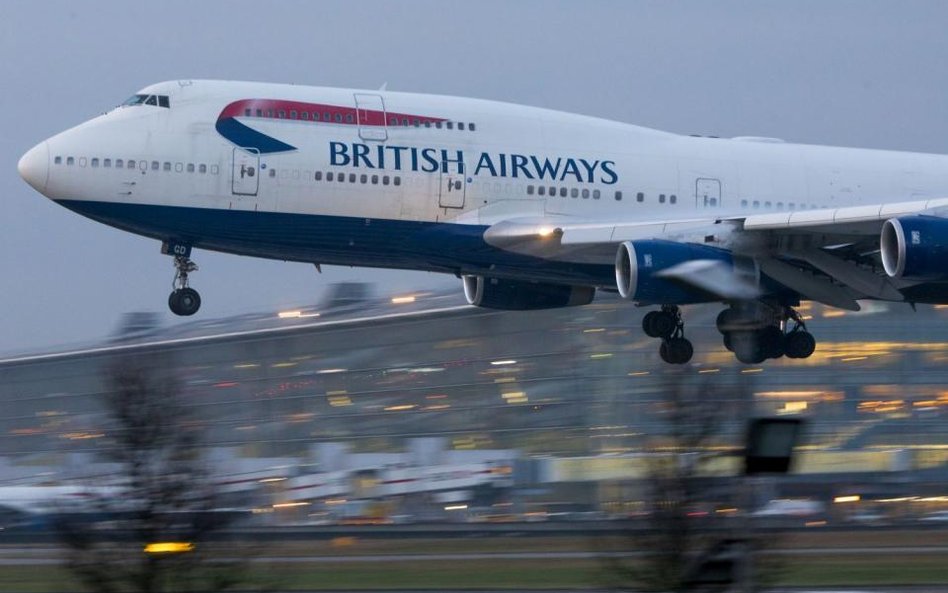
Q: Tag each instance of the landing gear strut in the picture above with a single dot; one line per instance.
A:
(183, 300)
(756, 333)
(668, 325)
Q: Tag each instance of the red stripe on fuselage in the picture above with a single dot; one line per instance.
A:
(319, 112)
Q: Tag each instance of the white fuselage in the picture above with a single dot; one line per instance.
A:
(233, 166)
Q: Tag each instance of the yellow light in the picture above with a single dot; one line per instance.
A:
(169, 548)
(271, 480)
(600, 355)
(706, 371)
(248, 365)
(639, 374)
(853, 358)
(283, 365)
(400, 408)
(456, 507)
(749, 371)
(290, 505)
(546, 231)
(595, 330)
(295, 315)
(498, 363)
(850, 498)
(403, 299)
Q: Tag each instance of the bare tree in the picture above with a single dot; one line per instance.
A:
(678, 490)
(162, 493)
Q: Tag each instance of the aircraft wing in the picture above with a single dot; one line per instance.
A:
(827, 255)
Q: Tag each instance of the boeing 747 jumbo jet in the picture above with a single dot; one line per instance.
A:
(531, 208)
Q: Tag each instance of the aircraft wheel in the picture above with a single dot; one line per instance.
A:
(658, 324)
(771, 342)
(676, 350)
(184, 302)
(799, 344)
(747, 347)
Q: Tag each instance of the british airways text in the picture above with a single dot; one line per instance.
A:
(430, 160)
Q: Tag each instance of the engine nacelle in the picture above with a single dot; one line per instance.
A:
(517, 295)
(638, 262)
(915, 247)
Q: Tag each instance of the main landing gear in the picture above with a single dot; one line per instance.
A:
(761, 332)
(667, 324)
(183, 300)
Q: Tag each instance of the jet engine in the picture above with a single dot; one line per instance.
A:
(640, 265)
(915, 247)
(517, 295)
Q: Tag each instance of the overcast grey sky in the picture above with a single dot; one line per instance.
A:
(858, 73)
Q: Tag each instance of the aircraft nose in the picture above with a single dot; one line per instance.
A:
(34, 166)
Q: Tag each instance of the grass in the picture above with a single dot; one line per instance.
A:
(926, 569)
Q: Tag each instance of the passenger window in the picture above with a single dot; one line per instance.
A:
(259, 113)
(247, 112)
(397, 180)
(450, 125)
(768, 205)
(714, 202)
(470, 127)
(595, 194)
(178, 167)
(340, 177)
(363, 178)
(190, 167)
(338, 118)
(779, 205)
(215, 169)
(82, 161)
(130, 164)
(352, 177)
(541, 190)
(349, 118)
(585, 193)
(292, 114)
(563, 192)
(319, 175)
(155, 165)
(552, 191)
(661, 198)
(304, 115)
(327, 116)
(375, 180)
(167, 166)
(743, 203)
(107, 163)
(58, 160)
(529, 190)
(574, 193)
(673, 199)
(460, 125)
(393, 121)
(269, 113)
(640, 197)
(790, 205)
(70, 160)
(329, 176)
(163, 101)
(119, 163)
(618, 196)
(438, 125)
(202, 168)
(405, 121)
(385, 180)
(273, 173)
(756, 204)
(95, 162)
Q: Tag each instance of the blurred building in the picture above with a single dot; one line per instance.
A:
(409, 405)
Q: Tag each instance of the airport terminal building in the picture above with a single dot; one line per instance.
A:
(418, 406)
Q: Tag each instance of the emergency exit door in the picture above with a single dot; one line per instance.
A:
(246, 172)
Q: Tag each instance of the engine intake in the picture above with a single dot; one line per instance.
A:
(915, 247)
(638, 264)
(517, 295)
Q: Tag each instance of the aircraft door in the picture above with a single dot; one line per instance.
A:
(370, 113)
(246, 172)
(707, 193)
(453, 186)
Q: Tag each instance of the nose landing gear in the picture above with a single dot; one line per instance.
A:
(183, 300)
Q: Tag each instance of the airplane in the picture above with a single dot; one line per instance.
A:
(531, 208)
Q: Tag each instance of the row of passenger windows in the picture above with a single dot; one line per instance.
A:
(574, 192)
(779, 205)
(108, 163)
(353, 178)
(349, 118)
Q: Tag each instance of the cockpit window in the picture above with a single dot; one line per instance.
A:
(156, 100)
